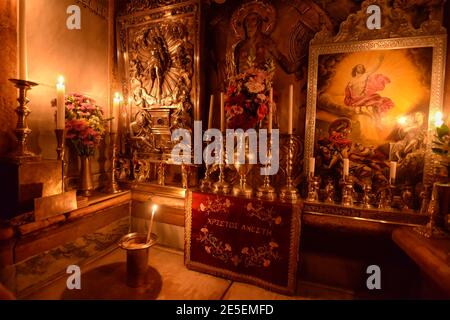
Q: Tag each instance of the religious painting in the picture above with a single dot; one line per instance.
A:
(373, 102)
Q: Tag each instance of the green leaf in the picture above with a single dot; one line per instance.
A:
(442, 130)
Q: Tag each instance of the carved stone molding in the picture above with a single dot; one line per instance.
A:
(396, 23)
(98, 7)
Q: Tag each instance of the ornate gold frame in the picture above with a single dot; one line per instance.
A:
(396, 33)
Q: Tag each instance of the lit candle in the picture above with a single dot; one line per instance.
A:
(222, 112)
(154, 208)
(210, 115)
(393, 170)
(60, 104)
(438, 119)
(312, 166)
(291, 107)
(115, 113)
(22, 42)
(346, 167)
(270, 111)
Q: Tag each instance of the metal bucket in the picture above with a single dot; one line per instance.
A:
(137, 257)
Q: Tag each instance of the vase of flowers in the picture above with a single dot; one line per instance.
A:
(85, 127)
(247, 100)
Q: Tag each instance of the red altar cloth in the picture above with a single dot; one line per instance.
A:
(243, 239)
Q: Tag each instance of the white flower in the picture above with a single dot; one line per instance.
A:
(254, 87)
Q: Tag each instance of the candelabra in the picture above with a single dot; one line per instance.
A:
(22, 131)
(114, 186)
(266, 191)
(289, 192)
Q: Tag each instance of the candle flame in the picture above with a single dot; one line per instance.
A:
(61, 80)
(117, 97)
(154, 208)
(438, 119)
(402, 120)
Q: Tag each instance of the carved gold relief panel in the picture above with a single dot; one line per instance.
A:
(159, 68)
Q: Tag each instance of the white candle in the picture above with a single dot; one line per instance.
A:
(270, 111)
(115, 113)
(312, 166)
(22, 41)
(60, 104)
(154, 208)
(222, 112)
(393, 170)
(210, 115)
(346, 167)
(291, 108)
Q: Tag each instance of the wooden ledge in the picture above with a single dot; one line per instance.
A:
(431, 255)
(32, 237)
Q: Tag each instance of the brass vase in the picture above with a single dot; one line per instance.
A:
(86, 184)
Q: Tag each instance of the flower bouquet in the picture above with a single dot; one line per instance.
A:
(247, 100)
(85, 128)
(85, 125)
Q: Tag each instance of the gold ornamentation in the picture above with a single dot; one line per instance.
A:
(397, 33)
(160, 59)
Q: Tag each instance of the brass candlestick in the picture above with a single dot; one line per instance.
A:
(367, 196)
(330, 191)
(162, 173)
(243, 189)
(289, 192)
(221, 186)
(22, 131)
(184, 175)
(60, 142)
(348, 192)
(206, 183)
(113, 185)
(266, 191)
(313, 189)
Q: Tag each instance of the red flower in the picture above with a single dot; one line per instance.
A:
(262, 111)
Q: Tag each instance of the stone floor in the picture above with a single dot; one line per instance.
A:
(104, 279)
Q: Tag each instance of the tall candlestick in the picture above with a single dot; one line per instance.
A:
(346, 167)
(392, 170)
(210, 115)
(291, 108)
(270, 111)
(60, 104)
(22, 41)
(312, 166)
(115, 113)
(149, 232)
(222, 112)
